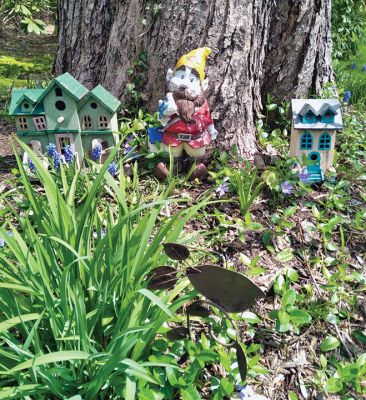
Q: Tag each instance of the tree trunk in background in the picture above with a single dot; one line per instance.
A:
(278, 47)
(299, 55)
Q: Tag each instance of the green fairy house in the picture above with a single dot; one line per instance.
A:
(65, 113)
(314, 126)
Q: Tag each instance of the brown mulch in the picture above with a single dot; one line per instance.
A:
(7, 159)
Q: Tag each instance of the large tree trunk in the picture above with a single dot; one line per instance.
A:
(281, 48)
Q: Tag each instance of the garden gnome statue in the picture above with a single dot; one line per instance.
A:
(186, 121)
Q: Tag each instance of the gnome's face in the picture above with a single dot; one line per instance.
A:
(186, 79)
(188, 91)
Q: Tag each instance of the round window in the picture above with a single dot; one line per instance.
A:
(26, 105)
(60, 105)
(93, 105)
(314, 157)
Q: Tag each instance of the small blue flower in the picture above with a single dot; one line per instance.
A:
(31, 166)
(68, 154)
(347, 96)
(222, 189)
(363, 68)
(96, 152)
(353, 66)
(304, 176)
(113, 169)
(57, 161)
(51, 150)
(287, 187)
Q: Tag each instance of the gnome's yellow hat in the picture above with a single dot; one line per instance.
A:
(195, 59)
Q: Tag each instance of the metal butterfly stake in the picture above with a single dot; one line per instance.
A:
(225, 290)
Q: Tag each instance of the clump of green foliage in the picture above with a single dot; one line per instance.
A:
(26, 13)
(348, 27)
(74, 300)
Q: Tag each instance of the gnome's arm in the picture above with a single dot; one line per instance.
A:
(212, 131)
(167, 108)
(211, 126)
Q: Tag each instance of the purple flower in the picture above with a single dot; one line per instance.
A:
(128, 148)
(96, 152)
(51, 150)
(68, 154)
(246, 392)
(304, 175)
(57, 161)
(103, 232)
(113, 169)
(353, 66)
(222, 189)
(363, 68)
(287, 187)
(31, 166)
(347, 96)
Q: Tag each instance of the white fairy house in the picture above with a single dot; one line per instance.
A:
(313, 134)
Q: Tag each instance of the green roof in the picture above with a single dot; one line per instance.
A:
(70, 84)
(18, 95)
(106, 98)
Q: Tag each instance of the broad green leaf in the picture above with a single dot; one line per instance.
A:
(250, 317)
(190, 393)
(283, 317)
(334, 385)
(289, 298)
(285, 255)
(329, 343)
(226, 386)
(299, 317)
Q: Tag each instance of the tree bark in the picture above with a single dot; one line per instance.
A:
(282, 48)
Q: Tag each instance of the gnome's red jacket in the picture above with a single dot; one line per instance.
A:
(202, 119)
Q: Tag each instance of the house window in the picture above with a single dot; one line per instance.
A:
(64, 140)
(309, 118)
(328, 117)
(87, 122)
(306, 141)
(58, 92)
(40, 123)
(325, 141)
(103, 122)
(23, 124)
